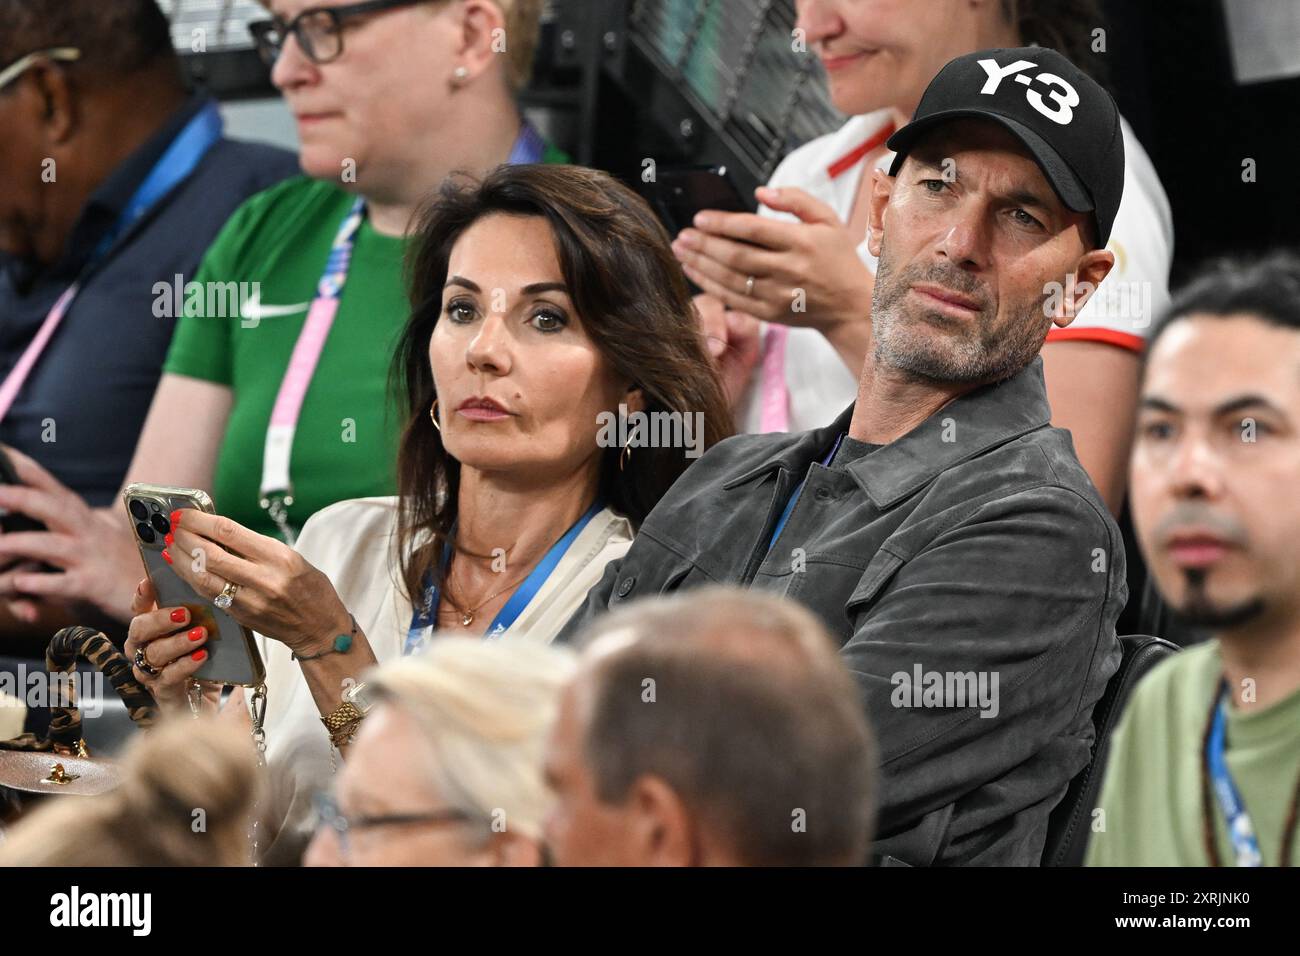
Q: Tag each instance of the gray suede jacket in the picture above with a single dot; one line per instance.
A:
(972, 577)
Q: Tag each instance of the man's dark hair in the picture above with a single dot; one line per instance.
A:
(753, 722)
(114, 36)
(1267, 288)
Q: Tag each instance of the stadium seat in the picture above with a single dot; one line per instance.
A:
(1070, 824)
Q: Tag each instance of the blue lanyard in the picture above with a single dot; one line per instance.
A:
(426, 615)
(1241, 830)
(794, 497)
(529, 145)
(200, 134)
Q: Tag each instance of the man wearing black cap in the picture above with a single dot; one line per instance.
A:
(940, 527)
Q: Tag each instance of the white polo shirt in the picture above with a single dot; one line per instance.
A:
(817, 383)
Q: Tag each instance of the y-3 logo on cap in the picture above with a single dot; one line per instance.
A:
(1064, 95)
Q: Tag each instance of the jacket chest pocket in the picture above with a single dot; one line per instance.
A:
(676, 575)
(884, 565)
(634, 585)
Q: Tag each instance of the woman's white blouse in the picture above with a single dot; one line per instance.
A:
(354, 544)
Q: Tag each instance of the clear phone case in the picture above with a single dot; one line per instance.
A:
(233, 657)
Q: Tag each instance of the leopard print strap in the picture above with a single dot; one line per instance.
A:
(65, 718)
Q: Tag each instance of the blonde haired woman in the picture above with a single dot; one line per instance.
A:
(447, 768)
(171, 773)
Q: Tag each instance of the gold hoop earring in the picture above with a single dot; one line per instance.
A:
(433, 416)
(625, 453)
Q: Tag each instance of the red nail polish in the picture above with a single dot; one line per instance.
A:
(195, 634)
(167, 557)
(199, 655)
(176, 518)
(178, 615)
(169, 539)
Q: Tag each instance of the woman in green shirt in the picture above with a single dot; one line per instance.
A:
(308, 271)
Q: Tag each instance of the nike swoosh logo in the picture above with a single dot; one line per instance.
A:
(254, 309)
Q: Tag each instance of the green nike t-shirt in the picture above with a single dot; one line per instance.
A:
(345, 445)
(1151, 809)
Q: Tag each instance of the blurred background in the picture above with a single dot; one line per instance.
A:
(1207, 85)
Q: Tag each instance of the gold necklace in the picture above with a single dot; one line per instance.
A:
(467, 614)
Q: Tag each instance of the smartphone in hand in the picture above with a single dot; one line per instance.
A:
(233, 657)
(679, 192)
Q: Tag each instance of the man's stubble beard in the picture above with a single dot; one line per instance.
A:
(978, 355)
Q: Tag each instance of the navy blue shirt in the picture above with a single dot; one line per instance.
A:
(82, 407)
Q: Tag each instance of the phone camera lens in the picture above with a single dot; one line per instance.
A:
(161, 524)
(138, 511)
(145, 532)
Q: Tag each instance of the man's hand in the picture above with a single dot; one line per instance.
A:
(92, 549)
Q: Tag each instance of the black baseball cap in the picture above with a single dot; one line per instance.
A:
(1063, 116)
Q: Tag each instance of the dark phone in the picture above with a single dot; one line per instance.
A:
(679, 192)
(13, 521)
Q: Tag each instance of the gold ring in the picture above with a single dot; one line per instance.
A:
(749, 286)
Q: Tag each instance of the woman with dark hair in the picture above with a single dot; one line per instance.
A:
(548, 315)
(879, 56)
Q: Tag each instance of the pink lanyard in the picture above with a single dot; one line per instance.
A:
(276, 490)
(191, 144)
(774, 393)
(18, 374)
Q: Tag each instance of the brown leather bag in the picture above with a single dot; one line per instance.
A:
(60, 762)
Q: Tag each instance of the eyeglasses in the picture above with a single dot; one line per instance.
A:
(328, 814)
(66, 54)
(318, 30)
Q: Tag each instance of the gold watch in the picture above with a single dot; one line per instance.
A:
(342, 722)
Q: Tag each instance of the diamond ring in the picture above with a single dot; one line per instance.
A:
(227, 595)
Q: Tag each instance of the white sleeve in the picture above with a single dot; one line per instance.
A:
(1136, 292)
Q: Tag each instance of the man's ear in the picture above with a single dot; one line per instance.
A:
(882, 187)
(483, 37)
(1088, 273)
(662, 826)
(50, 97)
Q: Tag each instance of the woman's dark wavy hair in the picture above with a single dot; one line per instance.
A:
(632, 298)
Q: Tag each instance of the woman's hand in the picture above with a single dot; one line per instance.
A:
(733, 343)
(91, 547)
(805, 273)
(172, 648)
(279, 593)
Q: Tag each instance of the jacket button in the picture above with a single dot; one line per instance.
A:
(625, 586)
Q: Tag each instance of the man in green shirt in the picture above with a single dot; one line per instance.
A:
(1204, 767)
